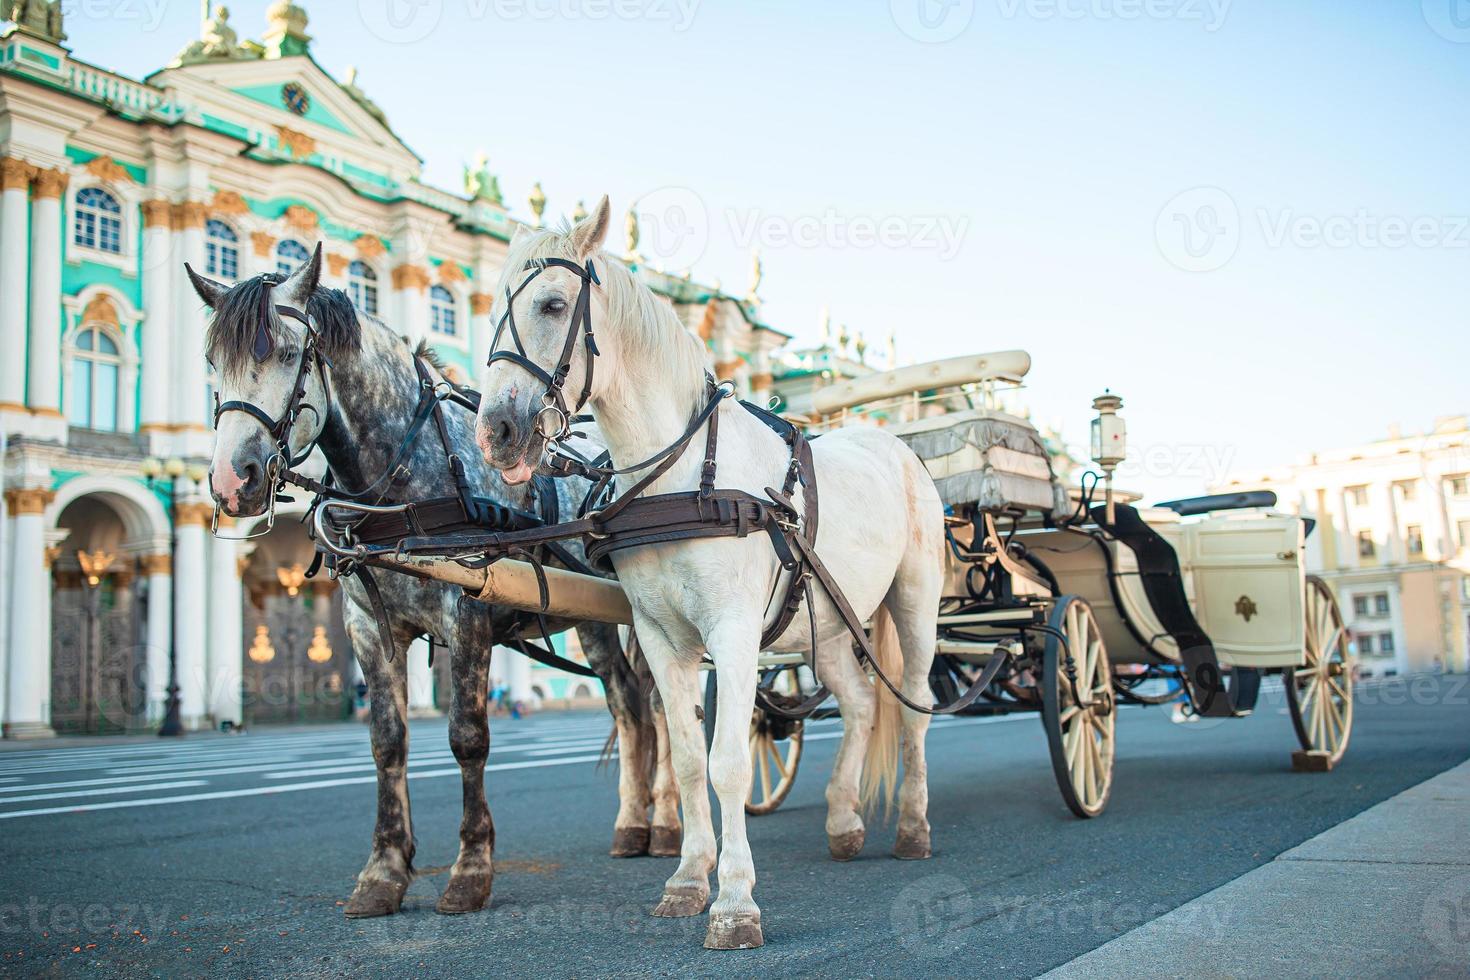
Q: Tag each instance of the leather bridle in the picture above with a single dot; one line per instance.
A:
(281, 428)
(553, 420)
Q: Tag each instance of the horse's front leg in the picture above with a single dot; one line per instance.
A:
(687, 890)
(605, 656)
(734, 919)
(389, 869)
(471, 640)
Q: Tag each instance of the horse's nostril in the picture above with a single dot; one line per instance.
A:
(249, 476)
(503, 431)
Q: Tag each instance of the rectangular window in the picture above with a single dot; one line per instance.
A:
(1457, 484)
(1366, 547)
(86, 233)
(80, 412)
(1380, 604)
(1408, 489)
(1414, 538)
(1385, 643)
(1365, 643)
(1464, 528)
(1357, 495)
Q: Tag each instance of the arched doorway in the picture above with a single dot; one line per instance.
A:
(99, 659)
(298, 662)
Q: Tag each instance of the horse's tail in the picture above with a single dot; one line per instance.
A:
(880, 765)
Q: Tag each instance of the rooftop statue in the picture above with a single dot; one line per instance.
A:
(217, 41)
(360, 97)
(480, 184)
(39, 18)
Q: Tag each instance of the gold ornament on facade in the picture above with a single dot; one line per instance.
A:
(706, 328)
(159, 564)
(261, 651)
(242, 562)
(579, 213)
(296, 142)
(263, 243)
(108, 170)
(861, 347)
(481, 304)
(193, 514)
(630, 235)
(95, 565)
(187, 214)
(50, 554)
(101, 309)
(537, 201)
(369, 246)
(410, 276)
(15, 174)
(757, 273)
(761, 382)
(450, 273)
(28, 500)
(300, 217)
(320, 650)
(292, 579)
(337, 264)
(156, 213)
(229, 203)
(725, 370)
(50, 183)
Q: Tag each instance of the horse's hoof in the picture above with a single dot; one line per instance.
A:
(469, 892)
(371, 899)
(629, 842)
(739, 931)
(912, 845)
(666, 842)
(679, 903)
(845, 847)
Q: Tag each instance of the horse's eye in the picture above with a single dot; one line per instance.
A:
(554, 306)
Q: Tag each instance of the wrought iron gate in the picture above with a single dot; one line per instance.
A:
(97, 658)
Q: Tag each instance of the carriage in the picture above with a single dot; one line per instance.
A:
(1056, 603)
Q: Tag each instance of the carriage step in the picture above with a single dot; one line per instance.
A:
(1311, 761)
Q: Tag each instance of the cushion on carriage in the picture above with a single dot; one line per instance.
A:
(986, 458)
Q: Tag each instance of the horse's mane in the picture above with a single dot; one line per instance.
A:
(653, 326)
(230, 339)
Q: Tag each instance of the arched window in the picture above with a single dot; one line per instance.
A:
(442, 315)
(95, 367)
(362, 284)
(222, 250)
(290, 254)
(98, 221)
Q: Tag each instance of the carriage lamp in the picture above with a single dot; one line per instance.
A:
(151, 468)
(174, 467)
(95, 565)
(1109, 441)
(261, 651)
(320, 650)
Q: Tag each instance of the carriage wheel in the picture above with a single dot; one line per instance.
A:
(1320, 692)
(1079, 729)
(775, 743)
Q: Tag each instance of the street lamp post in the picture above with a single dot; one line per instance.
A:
(165, 474)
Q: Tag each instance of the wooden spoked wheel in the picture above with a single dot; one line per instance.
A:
(775, 743)
(1077, 707)
(1320, 692)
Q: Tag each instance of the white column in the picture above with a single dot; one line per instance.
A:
(191, 520)
(15, 182)
(159, 569)
(518, 676)
(189, 319)
(421, 678)
(482, 330)
(225, 626)
(44, 379)
(28, 688)
(411, 301)
(158, 316)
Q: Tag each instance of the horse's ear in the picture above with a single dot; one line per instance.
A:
(522, 233)
(209, 290)
(589, 233)
(296, 290)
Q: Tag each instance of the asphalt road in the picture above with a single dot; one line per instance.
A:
(232, 856)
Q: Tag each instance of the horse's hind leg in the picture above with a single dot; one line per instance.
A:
(389, 869)
(668, 834)
(471, 640)
(839, 670)
(605, 656)
(913, 602)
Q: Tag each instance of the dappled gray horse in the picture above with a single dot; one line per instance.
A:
(347, 384)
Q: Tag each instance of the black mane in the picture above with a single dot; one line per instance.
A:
(230, 340)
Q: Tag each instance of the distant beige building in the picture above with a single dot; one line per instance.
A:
(1393, 540)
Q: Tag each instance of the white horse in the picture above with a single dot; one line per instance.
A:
(880, 532)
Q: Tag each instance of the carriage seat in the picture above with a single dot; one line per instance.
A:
(988, 459)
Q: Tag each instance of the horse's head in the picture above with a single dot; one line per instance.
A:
(540, 363)
(271, 387)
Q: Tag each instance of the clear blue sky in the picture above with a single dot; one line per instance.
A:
(1056, 134)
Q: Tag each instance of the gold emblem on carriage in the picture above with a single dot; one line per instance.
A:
(1245, 607)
